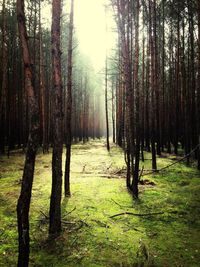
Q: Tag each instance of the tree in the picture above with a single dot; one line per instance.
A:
(153, 77)
(69, 104)
(56, 191)
(137, 100)
(23, 204)
(106, 93)
(198, 84)
(106, 105)
(4, 79)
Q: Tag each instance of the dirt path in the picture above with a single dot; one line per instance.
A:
(92, 159)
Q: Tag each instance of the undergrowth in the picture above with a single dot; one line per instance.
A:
(90, 237)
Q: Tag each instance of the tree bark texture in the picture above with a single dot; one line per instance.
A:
(69, 104)
(23, 204)
(56, 191)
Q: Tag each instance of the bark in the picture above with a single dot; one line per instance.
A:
(137, 115)
(69, 104)
(56, 191)
(177, 89)
(23, 204)
(43, 89)
(198, 85)
(4, 80)
(147, 104)
(106, 105)
(113, 112)
(156, 79)
(153, 81)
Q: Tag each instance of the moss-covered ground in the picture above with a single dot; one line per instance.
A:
(90, 238)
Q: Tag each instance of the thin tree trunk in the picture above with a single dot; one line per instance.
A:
(55, 202)
(153, 81)
(137, 115)
(69, 104)
(23, 204)
(113, 112)
(4, 80)
(106, 105)
(198, 86)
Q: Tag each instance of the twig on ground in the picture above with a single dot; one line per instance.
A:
(45, 216)
(174, 163)
(137, 214)
(119, 171)
(121, 206)
(69, 212)
(141, 172)
(84, 223)
(66, 222)
(83, 170)
(102, 224)
(79, 224)
(144, 214)
(109, 167)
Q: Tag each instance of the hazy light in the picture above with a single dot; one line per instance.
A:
(90, 28)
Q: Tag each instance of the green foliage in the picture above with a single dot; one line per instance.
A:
(90, 237)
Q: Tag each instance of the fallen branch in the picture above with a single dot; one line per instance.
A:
(146, 214)
(119, 171)
(121, 206)
(137, 214)
(174, 163)
(45, 216)
(141, 172)
(109, 167)
(66, 222)
(79, 224)
(69, 212)
(102, 224)
(83, 170)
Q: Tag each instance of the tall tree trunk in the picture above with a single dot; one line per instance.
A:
(23, 204)
(198, 85)
(55, 202)
(177, 88)
(43, 100)
(69, 104)
(153, 81)
(137, 96)
(3, 91)
(106, 105)
(147, 96)
(113, 111)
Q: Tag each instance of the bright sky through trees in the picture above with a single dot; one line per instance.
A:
(90, 27)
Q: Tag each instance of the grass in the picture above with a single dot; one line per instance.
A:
(90, 238)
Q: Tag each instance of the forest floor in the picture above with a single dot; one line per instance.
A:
(90, 237)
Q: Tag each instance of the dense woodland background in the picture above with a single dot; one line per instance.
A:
(155, 71)
(51, 96)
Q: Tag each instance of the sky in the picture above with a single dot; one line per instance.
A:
(90, 26)
(90, 29)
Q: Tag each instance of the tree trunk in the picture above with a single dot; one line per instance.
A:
(55, 202)
(69, 104)
(113, 111)
(198, 86)
(4, 81)
(23, 204)
(106, 105)
(153, 81)
(137, 115)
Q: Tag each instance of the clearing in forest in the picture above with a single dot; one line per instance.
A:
(90, 237)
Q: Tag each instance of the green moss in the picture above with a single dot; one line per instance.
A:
(90, 237)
